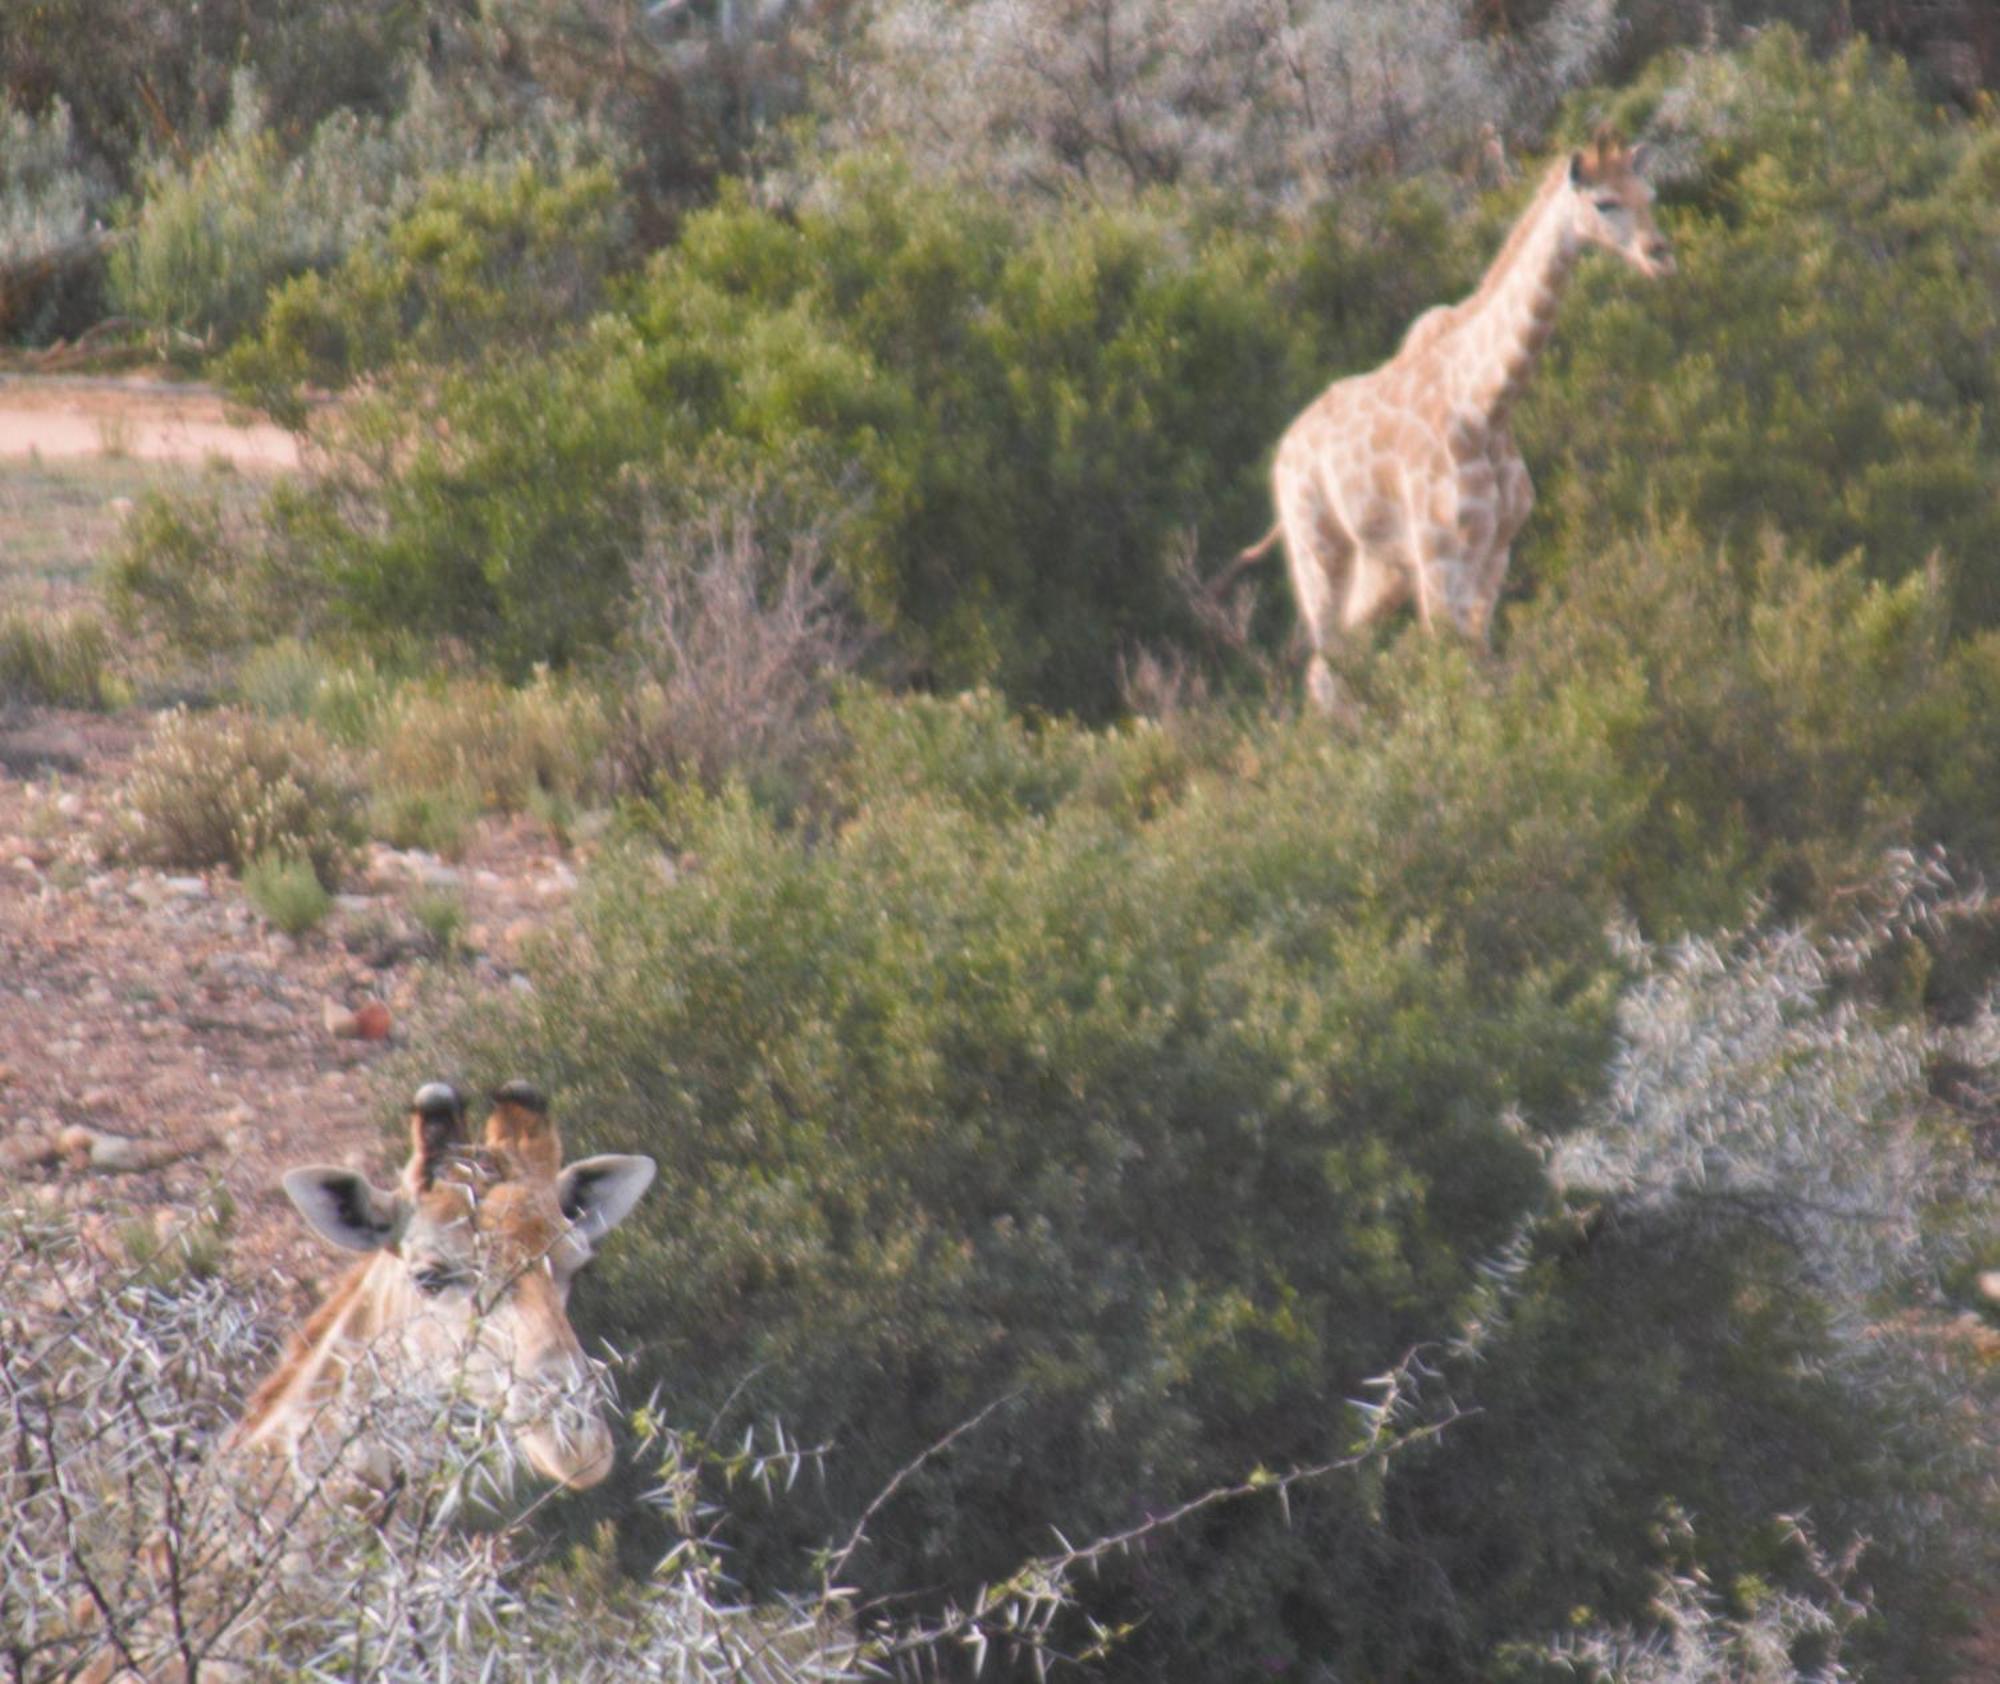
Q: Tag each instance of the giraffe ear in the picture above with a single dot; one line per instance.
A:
(1644, 156)
(342, 1207)
(1579, 169)
(598, 1193)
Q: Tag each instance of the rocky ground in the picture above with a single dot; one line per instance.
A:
(159, 1040)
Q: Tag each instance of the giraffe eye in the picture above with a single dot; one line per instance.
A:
(1610, 207)
(433, 1278)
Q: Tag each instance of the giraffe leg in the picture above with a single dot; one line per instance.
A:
(1320, 556)
(1448, 585)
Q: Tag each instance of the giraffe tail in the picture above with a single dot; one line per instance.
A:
(1244, 559)
(1259, 550)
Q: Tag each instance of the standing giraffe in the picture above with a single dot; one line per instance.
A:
(1406, 482)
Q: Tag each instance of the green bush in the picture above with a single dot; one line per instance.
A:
(1000, 426)
(1176, 1126)
(55, 661)
(1797, 721)
(484, 263)
(227, 788)
(200, 576)
(1159, 1085)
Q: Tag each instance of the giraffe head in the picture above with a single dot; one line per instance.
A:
(475, 1253)
(1612, 205)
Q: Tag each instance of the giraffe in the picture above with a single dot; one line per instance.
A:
(1406, 482)
(467, 1276)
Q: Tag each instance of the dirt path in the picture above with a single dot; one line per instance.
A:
(54, 416)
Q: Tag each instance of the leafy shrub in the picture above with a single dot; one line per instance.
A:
(1797, 721)
(484, 262)
(1167, 1121)
(1176, 1126)
(999, 427)
(287, 891)
(55, 660)
(226, 788)
(196, 574)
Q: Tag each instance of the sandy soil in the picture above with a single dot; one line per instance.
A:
(154, 420)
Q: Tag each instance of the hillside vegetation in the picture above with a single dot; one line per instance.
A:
(803, 448)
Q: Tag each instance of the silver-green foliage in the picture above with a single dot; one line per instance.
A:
(133, 1538)
(46, 196)
(1255, 97)
(213, 233)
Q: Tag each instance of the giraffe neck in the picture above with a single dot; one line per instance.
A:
(1510, 317)
(317, 1361)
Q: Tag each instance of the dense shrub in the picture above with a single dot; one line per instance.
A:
(201, 576)
(223, 789)
(1001, 427)
(484, 263)
(1177, 1127)
(1797, 721)
(1164, 1098)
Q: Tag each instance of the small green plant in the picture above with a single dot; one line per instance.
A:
(287, 891)
(344, 696)
(56, 660)
(440, 913)
(438, 820)
(493, 746)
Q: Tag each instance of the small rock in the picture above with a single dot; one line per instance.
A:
(1989, 1285)
(89, 1148)
(369, 1021)
(185, 888)
(520, 983)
